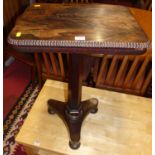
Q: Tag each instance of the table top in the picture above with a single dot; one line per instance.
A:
(68, 25)
(121, 126)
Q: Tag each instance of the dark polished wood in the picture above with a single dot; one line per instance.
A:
(84, 50)
(101, 25)
(110, 23)
(53, 27)
(76, 110)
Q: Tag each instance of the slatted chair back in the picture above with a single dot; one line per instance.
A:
(130, 74)
(51, 65)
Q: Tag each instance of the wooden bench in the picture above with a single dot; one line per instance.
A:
(121, 126)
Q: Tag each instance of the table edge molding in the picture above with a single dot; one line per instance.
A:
(72, 43)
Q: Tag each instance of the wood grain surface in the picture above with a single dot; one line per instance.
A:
(122, 125)
(58, 24)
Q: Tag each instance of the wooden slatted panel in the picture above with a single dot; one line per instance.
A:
(103, 71)
(46, 62)
(122, 72)
(140, 75)
(96, 68)
(131, 74)
(52, 66)
(53, 62)
(146, 82)
(112, 71)
(61, 65)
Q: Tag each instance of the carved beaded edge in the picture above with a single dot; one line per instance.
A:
(68, 43)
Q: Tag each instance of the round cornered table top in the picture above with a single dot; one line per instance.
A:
(66, 25)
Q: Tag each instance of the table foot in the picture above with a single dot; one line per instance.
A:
(73, 118)
(74, 145)
(51, 110)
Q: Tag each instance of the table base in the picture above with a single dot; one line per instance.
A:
(73, 118)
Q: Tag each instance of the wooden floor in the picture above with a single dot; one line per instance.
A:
(122, 125)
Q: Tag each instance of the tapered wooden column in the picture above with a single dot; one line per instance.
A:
(75, 81)
(74, 112)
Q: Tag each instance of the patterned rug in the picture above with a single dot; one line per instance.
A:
(15, 120)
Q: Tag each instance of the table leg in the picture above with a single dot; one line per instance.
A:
(74, 112)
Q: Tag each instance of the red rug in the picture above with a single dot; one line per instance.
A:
(16, 77)
(15, 119)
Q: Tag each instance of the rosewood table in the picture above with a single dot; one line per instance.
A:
(77, 30)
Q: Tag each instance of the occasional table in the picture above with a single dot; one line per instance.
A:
(77, 30)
